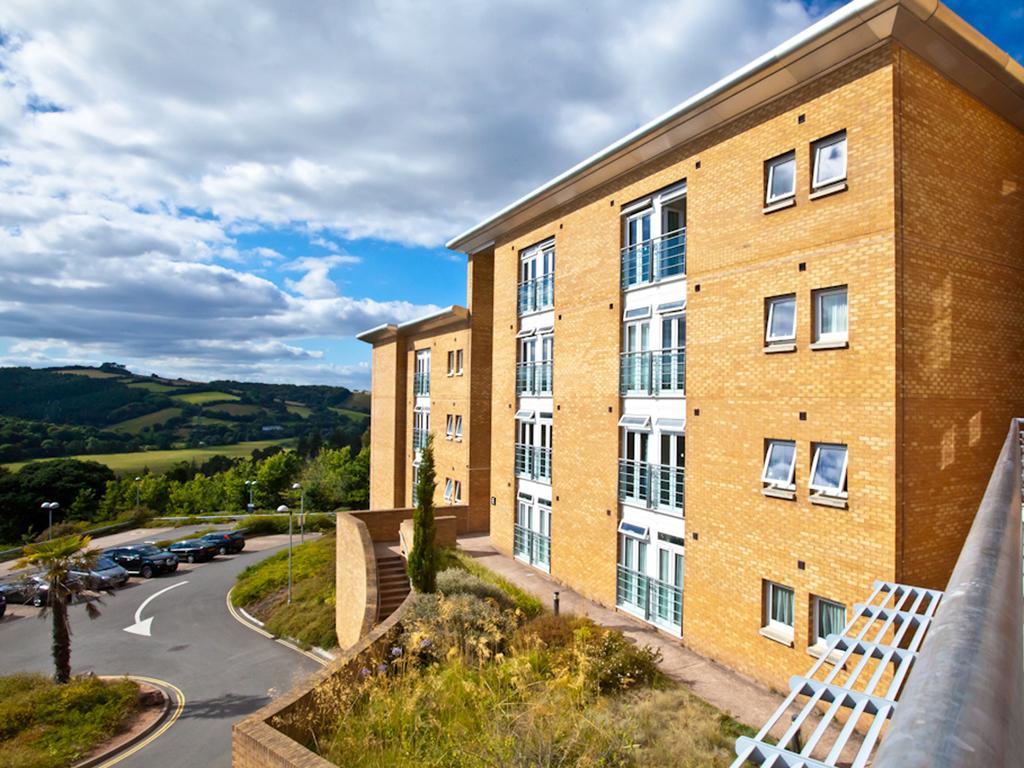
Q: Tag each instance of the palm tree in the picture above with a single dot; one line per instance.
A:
(57, 558)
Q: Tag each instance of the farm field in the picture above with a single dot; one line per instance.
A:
(152, 386)
(161, 461)
(234, 409)
(90, 373)
(136, 425)
(299, 409)
(352, 415)
(202, 398)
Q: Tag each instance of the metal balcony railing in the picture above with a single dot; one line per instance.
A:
(533, 378)
(654, 260)
(653, 372)
(421, 383)
(931, 679)
(532, 546)
(537, 294)
(655, 486)
(533, 462)
(419, 438)
(656, 601)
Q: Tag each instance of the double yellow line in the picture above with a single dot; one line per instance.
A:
(242, 620)
(159, 731)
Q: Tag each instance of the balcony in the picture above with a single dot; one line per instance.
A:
(533, 378)
(653, 372)
(419, 438)
(533, 462)
(654, 260)
(654, 600)
(537, 294)
(532, 547)
(421, 383)
(655, 486)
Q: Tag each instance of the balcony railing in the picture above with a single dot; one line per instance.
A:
(533, 462)
(655, 486)
(421, 383)
(537, 294)
(531, 546)
(654, 260)
(533, 378)
(655, 601)
(419, 438)
(653, 372)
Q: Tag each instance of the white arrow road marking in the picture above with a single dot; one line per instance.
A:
(141, 625)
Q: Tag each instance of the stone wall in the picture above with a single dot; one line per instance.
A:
(355, 579)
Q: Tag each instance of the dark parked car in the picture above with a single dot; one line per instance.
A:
(227, 542)
(29, 589)
(106, 574)
(3, 605)
(194, 550)
(143, 559)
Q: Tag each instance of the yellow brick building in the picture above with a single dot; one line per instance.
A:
(839, 229)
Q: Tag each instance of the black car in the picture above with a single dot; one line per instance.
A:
(227, 542)
(143, 559)
(194, 550)
(27, 590)
(3, 605)
(104, 575)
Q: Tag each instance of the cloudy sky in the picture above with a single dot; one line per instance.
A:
(223, 189)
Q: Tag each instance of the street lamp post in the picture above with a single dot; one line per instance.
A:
(49, 506)
(252, 487)
(137, 486)
(283, 509)
(302, 511)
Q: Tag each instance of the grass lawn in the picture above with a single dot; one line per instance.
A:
(352, 415)
(262, 590)
(161, 461)
(235, 409)
(45, 725)
(298, 408)
(136, 425)
(201, 398)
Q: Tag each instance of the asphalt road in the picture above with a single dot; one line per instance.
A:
(224, 669)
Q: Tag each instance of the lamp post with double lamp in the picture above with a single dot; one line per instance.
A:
(285, 510)
(251, 485)
(302, 511)
(138, 480)
(49, 506)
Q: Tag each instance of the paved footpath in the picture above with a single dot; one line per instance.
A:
(739, 696)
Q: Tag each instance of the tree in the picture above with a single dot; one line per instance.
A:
(58, 558)
(423, 558)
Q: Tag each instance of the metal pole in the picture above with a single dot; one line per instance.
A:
(555, 603)
(49, 529)
(289, 557)
(302, 517)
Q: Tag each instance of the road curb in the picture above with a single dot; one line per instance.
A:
(319, 655)
(140, 736)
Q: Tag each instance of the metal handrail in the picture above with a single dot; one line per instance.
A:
(655, 486)
(963, 704)
(653, 260)
(533, 461)
(536, 294)
(533, 545)
(421, 383)
(652, 371)
(533, 378)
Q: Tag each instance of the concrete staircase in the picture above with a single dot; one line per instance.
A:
(392, 584)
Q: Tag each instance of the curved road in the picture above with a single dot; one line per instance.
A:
(225, 670)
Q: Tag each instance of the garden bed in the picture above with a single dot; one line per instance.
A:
(480, 676)
(46, 725)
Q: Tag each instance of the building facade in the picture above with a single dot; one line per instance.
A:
(839, 230)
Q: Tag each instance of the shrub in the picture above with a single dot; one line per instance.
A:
(61, 529)
(550, 631)
(461, 625)
(524, 601)
(266, 525)
(455, 581)
(608, 662)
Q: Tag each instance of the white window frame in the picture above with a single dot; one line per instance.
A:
(458, 427)
(824, 143)
(791, 484)
(774, 163)
(830, 337)
(448, 489)
(772, 301)
(826, 490)
(778, 629)
(457, 493)
(816, 600)
(458, 362)
(451, 362)
(449, 424)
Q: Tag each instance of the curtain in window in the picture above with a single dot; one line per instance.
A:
(831, 618)
(782, 606)
(833, 313)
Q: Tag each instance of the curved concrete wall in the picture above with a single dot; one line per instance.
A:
(355, 581)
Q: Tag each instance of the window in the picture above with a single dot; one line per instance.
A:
(779, 464)
(458, 362)
(829, 160)
(830, 315)
(458, 427)
(781, 178)
(777, 622)
(828, 470)
(780, 324)
(829, 619)
(449, 426)
(458, 491)
(448, 488)
(451, 363)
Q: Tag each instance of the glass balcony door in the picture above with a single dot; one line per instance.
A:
(634, 480)
(672, 358)
(636, 368)
(532, 536)
(670, 486)
(637, 253)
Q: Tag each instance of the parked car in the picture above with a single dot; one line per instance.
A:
(26, 590)
(3, 605)
(227, 542)
(106, 574)
(194, 550)
(143, 559)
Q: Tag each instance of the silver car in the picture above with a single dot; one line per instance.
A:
(106, 574)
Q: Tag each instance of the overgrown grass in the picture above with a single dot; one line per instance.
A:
(262, 590)
(527, 603)
(45, 725)
(208, 396)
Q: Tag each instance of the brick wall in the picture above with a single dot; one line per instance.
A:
(387, 426)
(355, 579)
(480, 291)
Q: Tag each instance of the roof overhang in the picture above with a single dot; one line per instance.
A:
(925, 27)
(432, 322)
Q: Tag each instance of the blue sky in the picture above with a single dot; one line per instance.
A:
(195, 192)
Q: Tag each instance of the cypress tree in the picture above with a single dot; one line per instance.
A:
(423, 557)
